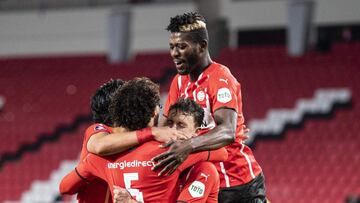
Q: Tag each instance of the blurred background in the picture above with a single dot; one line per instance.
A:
(298, 62)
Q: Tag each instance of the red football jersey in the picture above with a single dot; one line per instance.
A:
(217, 88)
(132, 170)
(200, 184)
(97, 191)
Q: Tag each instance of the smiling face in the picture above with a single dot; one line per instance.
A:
(181, 121)
(185, 53)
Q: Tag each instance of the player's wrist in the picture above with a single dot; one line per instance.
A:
(144, 135)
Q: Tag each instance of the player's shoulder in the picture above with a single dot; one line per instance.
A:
(221, 74)
(94, 159)
(97, 128)
(150, 148)
(220, 70)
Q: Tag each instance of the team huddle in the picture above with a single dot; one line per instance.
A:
(195, 154)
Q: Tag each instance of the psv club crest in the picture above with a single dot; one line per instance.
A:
(200, 96)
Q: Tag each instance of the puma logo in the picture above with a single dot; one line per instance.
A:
(204, 175)
(223, 80)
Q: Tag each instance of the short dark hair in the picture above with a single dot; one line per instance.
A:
(189, 107)
(134, 103)
(101, 100)
(197, 33)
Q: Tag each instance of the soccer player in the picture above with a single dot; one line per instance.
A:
(212, 86)
(100, 102)
(100, 139)
(187, 116)
(200, 183)
(134, 107)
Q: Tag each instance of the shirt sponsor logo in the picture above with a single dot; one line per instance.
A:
(197, 189)
(200, 96)
(99, 127)
(130, 164)
(224, 95)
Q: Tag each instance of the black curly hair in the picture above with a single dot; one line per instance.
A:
(101, 100)
(133, 105)
(197, 35)
(189, 107)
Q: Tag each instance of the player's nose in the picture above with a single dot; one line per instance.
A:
(174, 53)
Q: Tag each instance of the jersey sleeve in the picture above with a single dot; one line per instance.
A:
(224, 91)
(94, 129)
(173, 94)
(201, 184)
(215, 155)
(71, 183)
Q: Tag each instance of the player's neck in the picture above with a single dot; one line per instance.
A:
(195, 73)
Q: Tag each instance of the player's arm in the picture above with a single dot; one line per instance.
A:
(223, 134)
(71, 183)
(103, 143)
(85, 172)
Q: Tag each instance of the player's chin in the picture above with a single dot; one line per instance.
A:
(182, 71)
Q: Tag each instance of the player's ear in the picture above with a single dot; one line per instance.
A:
(203, 45)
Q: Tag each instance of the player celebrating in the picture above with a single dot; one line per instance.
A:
(99, 139)
(135, 107)
(201, 182)
(212, 86)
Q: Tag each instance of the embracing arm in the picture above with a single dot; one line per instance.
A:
(107, 144)
(223, 134)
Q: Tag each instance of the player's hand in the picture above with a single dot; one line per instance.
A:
(166, 134)
(170, 160)
(121, 195)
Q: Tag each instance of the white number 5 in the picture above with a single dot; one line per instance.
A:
(128, 177)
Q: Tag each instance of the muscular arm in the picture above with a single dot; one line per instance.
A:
(223, 134)
(104, 144)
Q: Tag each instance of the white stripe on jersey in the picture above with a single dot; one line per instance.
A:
(247, 159)
(223, 171)
(194, 95)
(188, 174)
(208, 117)
(179, 82)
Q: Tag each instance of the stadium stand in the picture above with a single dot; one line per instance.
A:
(277, 119)
(310, 164)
